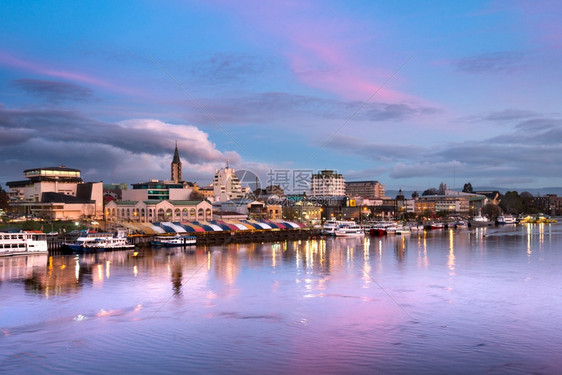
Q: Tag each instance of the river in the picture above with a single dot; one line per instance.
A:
(469, 301)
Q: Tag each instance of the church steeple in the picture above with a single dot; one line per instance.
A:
(176, 166)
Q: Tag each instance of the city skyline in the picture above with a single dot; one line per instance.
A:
(408, 94)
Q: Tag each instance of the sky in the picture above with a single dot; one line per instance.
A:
(409, 93)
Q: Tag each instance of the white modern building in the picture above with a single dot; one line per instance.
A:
(226, 185)
(327, 183)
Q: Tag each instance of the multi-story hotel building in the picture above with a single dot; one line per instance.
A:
(56, 193)
(365, 189)
(327, 183)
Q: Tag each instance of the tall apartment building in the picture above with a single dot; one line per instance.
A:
(327, 183)
(226, 185)
(365, 189)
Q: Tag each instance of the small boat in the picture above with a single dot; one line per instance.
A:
(92, 241)
(401, 230)
(380, 229)
(479, 221)
(506, 219)
(461, 224)
(437, 225)
(349, 229)
(23, 243)
(171, 241)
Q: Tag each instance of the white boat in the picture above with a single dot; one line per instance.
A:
(330, 226)
(170, 241)
(401, 230)
(93, 241)
(349, 229)
(460, 224)
(506, 219)
(416, 228)
(23, 243)
(479, 221)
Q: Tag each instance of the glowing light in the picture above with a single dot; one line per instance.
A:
(135, 270)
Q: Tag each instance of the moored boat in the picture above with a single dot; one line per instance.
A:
(506, 219)
(437, 225)
(171, 241)
(349, 229)
(93, 241)
(330, 226)
(22, 243)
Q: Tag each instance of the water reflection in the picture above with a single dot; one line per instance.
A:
(451, 257)
(329, 306)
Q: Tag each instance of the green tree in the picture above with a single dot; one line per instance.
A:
(430, 191)
(415, 195)
(4, 199)
(491, 211)
(467, 188)
(512, 203)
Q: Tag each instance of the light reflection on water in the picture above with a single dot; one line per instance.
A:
(486, 300)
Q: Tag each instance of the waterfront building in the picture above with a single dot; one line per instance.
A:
(365, 189)
(274, 211)
(206, 192)
(56, 193)
(157, 210)
(249, 207)
(456, 202)
(226, 185)
(154, 189)
(327, 183)
(159, 190)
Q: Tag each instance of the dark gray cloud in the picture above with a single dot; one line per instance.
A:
(376, 151)
(42, 137)
(531, 150)
(509, 115)
(270, 106)
(495, 62)
(54, 91)
(221, 68)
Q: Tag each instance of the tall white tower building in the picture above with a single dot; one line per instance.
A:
(226, 185)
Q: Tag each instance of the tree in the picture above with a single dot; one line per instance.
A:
(196, 196)
(467, 188)
(512, 203)
(491, 211)
(430, 191)
(415, 195)
(4, 199)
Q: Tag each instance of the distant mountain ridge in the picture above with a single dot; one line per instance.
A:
(534, 191)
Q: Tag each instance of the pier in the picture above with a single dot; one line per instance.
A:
(56, 244)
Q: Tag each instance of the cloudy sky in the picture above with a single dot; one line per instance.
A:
(409, 93)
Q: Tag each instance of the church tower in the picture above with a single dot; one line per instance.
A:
(176, 166)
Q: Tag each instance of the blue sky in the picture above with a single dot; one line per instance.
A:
(408, 93)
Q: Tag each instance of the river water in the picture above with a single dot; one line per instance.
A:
(469, 301)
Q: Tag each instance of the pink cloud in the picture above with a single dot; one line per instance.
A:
(10, 60)
(324, 48)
